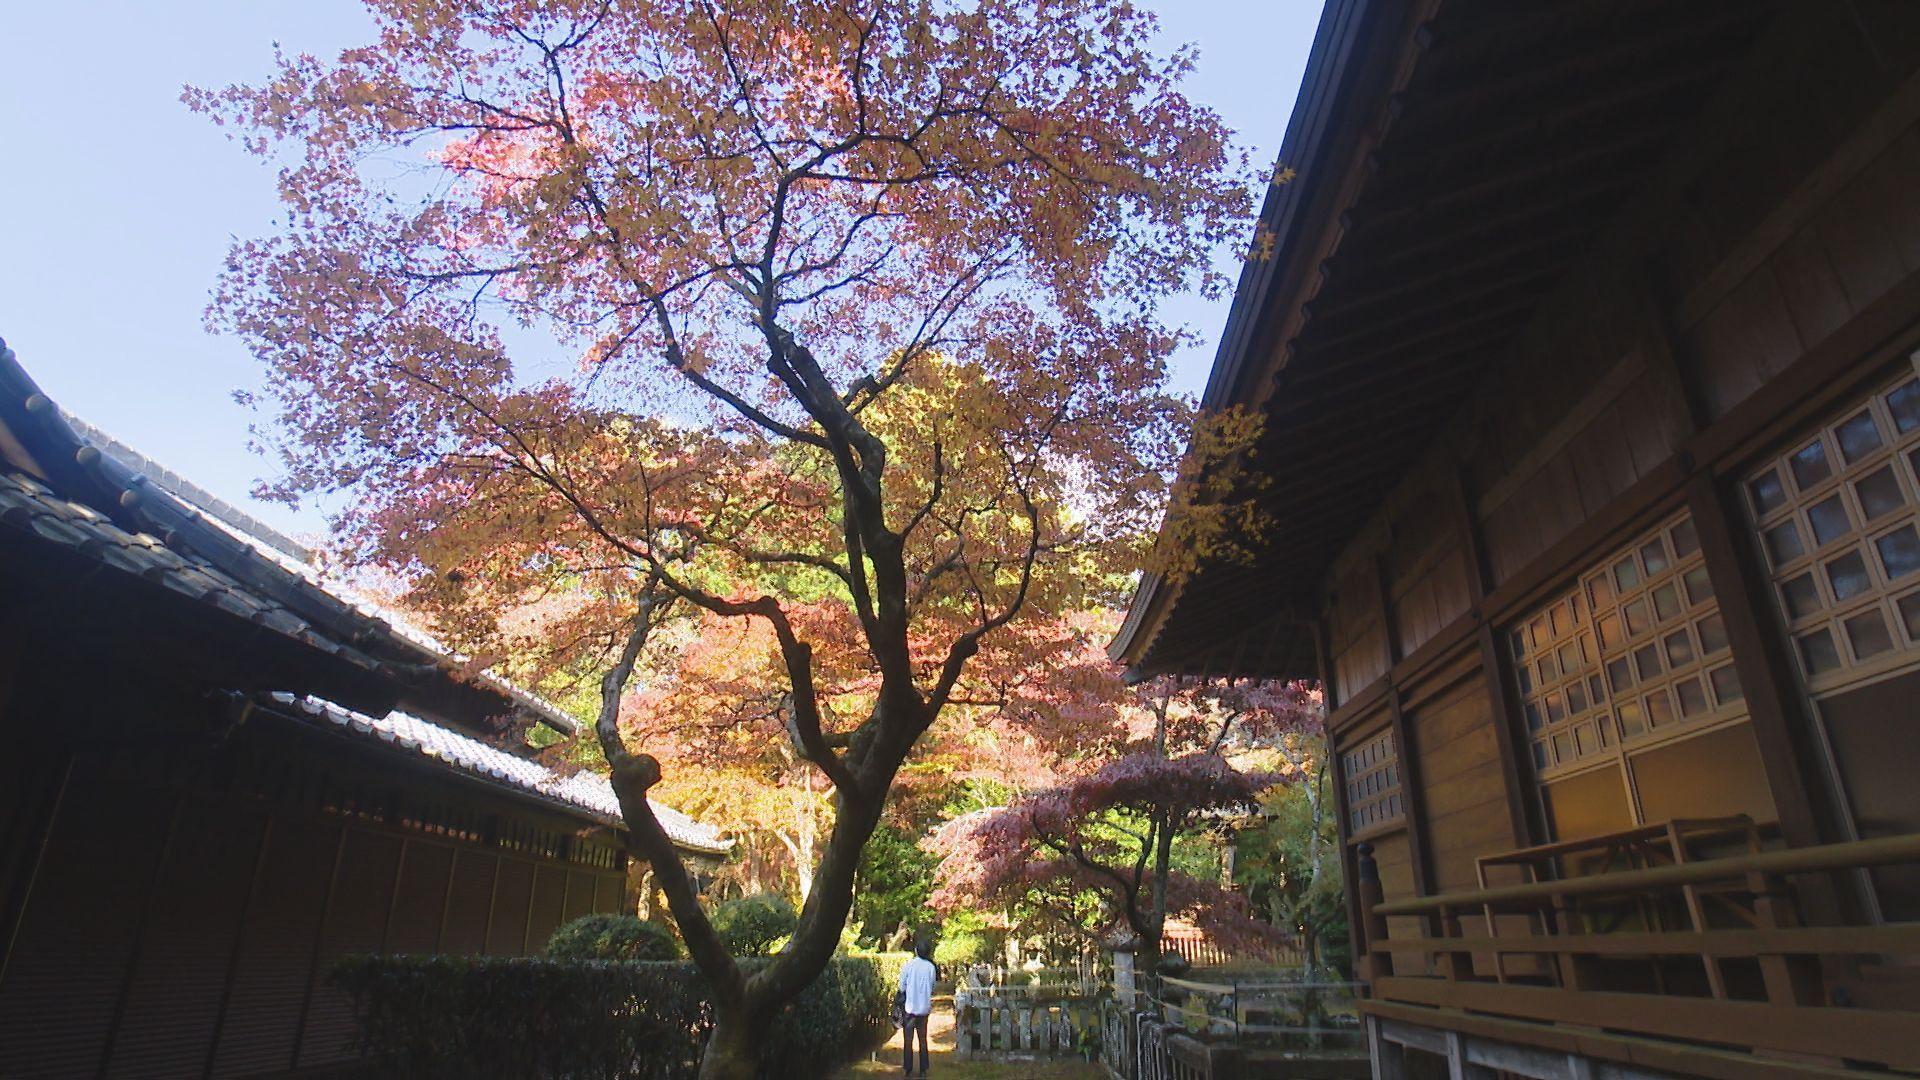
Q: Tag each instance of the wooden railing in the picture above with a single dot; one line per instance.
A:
(1736, 970)
(1282, 1025)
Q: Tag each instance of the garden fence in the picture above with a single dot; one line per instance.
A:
(1276, 1024)
(1051, 1012)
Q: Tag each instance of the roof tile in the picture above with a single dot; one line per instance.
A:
(583, 790)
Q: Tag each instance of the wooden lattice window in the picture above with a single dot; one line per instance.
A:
(1837, 520)
(1372, 772)
(1633, 653)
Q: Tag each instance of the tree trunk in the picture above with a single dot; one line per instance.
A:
(732, 1053)
(1157, 907)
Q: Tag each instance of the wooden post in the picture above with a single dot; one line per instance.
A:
(1455, 965)
(1413, 794)
(1509, 732)
(140, 927)
(1337, 775)
(1389, 1058)
(1788, 747)
(1371, 965)
(1762, 663)
(1458, 1067)
(16, 910)
(239, 942)
(313, 955)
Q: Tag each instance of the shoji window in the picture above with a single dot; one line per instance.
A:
(1836, 515)
(1633, 654)
(1372, 772)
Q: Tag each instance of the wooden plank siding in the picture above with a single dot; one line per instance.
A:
(1777, 264)
(196, 941)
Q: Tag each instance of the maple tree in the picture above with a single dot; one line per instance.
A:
(1289, 863)
(861, 301)
(1097, 850)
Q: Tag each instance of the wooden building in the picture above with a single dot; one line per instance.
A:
(220, 775)
(1587, 355)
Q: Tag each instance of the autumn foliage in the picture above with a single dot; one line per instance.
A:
(834, 317)
(1206, 754)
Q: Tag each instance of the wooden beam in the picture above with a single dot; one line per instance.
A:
(1627, 56)
(1447, 299)
(1899, 939)
(1642, 104)
(1665, 1056)
(1826, 858)
(1855, 1034)
(1409, 255)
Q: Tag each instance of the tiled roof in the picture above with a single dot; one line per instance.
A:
(296, 559)
(583, 790)
(213, 553)
(31, 507)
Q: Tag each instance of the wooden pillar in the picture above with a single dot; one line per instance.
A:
(1411, 792)
(493, 902)
(313, 955)
(1337, 773)
(393, 897)
(141, 926)
(1370, 965)
(1787, 744)
(1458, 1067)
(1389, 1057)
(533, 893)
(1789, 748)
(1510, 733)
(21, 895)
(239, 942)
(446, 900)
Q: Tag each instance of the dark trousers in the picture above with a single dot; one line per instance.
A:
(907, 1030)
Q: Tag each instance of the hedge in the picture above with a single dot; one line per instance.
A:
(604, 936)
(441, 1016)
(754, 925)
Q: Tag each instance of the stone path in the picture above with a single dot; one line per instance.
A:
(886, 1061)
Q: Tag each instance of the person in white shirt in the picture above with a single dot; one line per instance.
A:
(916, 997)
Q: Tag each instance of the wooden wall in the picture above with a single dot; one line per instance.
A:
(179, 916)
(1778, 245)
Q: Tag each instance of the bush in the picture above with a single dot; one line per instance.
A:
(611, 937)
(441, 1016)
(754, 925)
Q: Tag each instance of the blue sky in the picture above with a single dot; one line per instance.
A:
(117, 205)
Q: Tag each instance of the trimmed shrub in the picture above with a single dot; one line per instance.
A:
(754, 925)
(442, 1016)
(611, 937)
